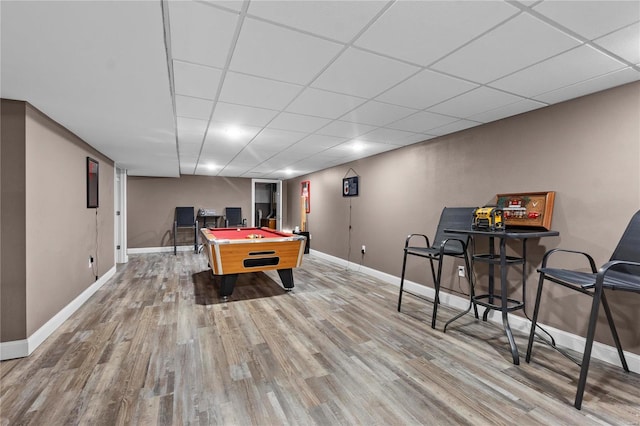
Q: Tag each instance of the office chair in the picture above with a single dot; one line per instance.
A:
(621, 272)
(233, 217)
(443, 245)
(185, 218)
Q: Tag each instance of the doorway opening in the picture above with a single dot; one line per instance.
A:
(266, 203)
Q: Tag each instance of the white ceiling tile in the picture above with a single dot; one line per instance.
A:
(454, 127)
(562, 70)
(421, 122)
(196, 80)
(249, 158)
(190, 130)
(358, 149)
(346, 151)
(257, 92)
(316, 143)
(624, 43)
(616, 78)
(276, 139)
(235, 5)
(220, 152)
(298, 122)
(425, 89)
(187, 166)
(377, 113)
(233, 170)
(364, 74)
(373, 148)
(193, 107)
(519, 43)
(590, 18)
(321, 103)
(135, 114)
(242, 114)
(345, 129)
(475, 102)
(287, 157)
(338, 20)
(271, 51)
(206, 169)
(312, 163)
(200, 33)
(189, 151)
(415, 138)
(383, 135)
(507, 111)
(423, 31)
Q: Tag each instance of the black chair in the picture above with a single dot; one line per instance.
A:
(185, 218)
(233, 217)
(621, 272)
(443, 245)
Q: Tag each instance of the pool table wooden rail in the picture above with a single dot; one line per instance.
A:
(233, 256)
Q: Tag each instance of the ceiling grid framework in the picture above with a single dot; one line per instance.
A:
(278, 89)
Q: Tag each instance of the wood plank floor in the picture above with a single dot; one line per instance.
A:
(155, 345)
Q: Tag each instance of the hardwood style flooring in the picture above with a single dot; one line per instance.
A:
(155, 345)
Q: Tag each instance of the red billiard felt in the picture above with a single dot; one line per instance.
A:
(243, 233)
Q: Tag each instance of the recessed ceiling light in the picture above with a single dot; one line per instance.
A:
(210, 166)
(358, 146)
(233, 132)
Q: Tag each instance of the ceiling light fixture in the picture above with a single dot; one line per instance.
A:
(234, 132)
(358, 146)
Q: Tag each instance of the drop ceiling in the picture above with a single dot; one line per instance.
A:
(277, 89)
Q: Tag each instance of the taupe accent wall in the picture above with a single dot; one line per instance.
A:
(13, 318)
(151, 204)
(587, 150)
(48, 260)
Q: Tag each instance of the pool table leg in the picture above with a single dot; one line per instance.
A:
(227, 283)
(286, 275)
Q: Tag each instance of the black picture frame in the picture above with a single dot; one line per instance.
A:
(350, 186)
(93, 168)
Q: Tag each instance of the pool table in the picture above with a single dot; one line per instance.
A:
(233, 251)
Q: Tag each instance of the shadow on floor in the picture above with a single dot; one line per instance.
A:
(253, 285)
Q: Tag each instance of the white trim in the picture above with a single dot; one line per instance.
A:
(168, 249)
(22, 348)
(600, 351)
(14, 349)
(120, 204)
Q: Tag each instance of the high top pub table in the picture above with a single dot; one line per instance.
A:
(502, 302)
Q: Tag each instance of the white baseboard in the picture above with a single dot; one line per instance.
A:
(563, 339)
(169, 249)
(25, 347)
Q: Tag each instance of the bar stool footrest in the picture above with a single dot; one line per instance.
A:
(495, 259)
(512, 304)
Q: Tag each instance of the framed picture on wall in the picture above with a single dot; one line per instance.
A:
(92, 183)
(350, 186)
(527, 209)
(305, 193)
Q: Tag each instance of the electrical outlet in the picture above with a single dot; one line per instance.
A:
(461, 271)
(364, 249)
(90, 261)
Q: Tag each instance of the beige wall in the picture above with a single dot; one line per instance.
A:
(13, 318)
(58, 232)
(151, 204)
(587, 150)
